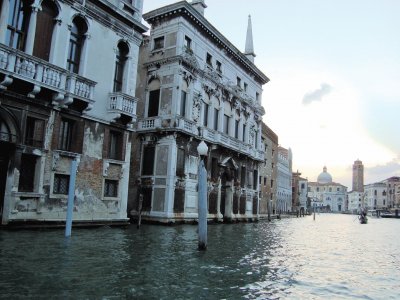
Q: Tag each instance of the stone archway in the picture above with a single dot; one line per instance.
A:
(9, 137)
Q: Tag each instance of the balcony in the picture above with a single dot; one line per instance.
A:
(191, 128)
(123, 104)
(66, 86)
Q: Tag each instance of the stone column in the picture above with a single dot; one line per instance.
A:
(5, 7)
(54, 42)
(30, 39)
(228, 201)
(84, 55)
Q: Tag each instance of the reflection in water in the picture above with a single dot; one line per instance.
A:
(333, 256)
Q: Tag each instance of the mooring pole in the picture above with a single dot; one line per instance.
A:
(202, 206)
(71, 196)
(202, 149)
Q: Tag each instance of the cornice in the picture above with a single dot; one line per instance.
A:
(186, 10)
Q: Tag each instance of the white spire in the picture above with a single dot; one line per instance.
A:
(249, 49)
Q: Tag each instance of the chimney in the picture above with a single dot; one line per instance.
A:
(199, 5)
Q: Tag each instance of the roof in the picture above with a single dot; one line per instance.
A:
(186, 10)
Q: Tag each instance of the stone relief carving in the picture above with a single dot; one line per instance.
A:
(197, 99)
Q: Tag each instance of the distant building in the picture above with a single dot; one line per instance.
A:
(355, 201)
(194, 85)
(268, 171)
(375, 196)
(358, 176)
(67, 91)
(391, 184)
(284, 181)
(327, 195)
(299, 192)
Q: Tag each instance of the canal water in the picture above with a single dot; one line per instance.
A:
(331, 257)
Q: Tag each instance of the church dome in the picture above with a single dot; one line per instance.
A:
(324, 177)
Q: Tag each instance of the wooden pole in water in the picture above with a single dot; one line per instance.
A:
(140, 210)
(202, 206)
(71, 196)
(314, 212)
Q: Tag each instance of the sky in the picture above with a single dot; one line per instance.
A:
(334, 70)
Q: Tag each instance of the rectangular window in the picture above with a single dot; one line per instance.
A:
(61, 184)
(34, 132)
(110, 188)
(236, 129)
(115, 145)
(243, 177)
(27, 173)
(158, 43)
(216, 112)
(265, 181)
(255, 176)
(226, 124)
(180, 163)
(148, 160)
(219, 66)
(205, 115)
(74, 52)
(188, 43)
(214, 168)
(239, 82)
(65, 135)
(118, 74)
(272, 183)
(257, 97)
(183, 104)
(244, 133)
(245, 86)
(209, 59)
(18, 19)
(154, 100)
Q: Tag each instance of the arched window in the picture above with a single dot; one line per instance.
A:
(237, 121)
(216, 106)
(17, 25)
(154, 98)
(206, 108)
(76, 40)
(183, 102)
(121, 58)
(44, 29)
(227, 116)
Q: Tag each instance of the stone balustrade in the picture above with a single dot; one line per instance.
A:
(42, 74)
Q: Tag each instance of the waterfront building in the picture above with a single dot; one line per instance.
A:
(67, 91)
(284, 180)
(327, 195)
(375, 196)
(358, 176)
(194, 85)
(299, 192)
(355, 201)
(397, 194)
(268, 171)
(391, 183)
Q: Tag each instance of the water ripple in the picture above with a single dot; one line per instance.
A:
(331, 257)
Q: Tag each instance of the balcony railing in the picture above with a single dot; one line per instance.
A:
(42, 74)
(123, 103)
(191, 128)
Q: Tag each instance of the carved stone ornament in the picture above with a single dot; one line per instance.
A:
(196, 107)
(187, 76)
(56, 158)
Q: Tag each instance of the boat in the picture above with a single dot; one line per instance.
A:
(363, 217)
(391, 214)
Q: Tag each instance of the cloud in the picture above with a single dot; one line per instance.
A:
(382, 172)
(317, 94)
